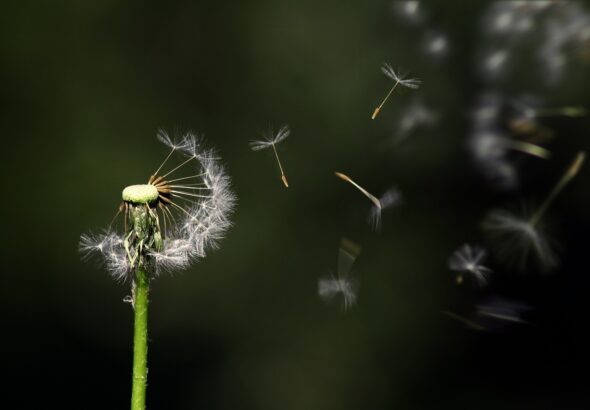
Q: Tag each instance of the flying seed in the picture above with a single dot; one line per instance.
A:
(270, 140)
(406, 82)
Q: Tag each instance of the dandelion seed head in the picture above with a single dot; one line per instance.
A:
(172, 220)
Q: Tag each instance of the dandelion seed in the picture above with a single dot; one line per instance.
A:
(412, 83)
(467, 260)
(343, 285)
(390, 198)
(270, 140)
(502, 310)
(567, 111)
(564, 31)
(519, 238)
(409, 11)
(172, 220)
(437, 45)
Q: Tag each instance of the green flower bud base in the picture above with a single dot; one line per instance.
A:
(143, 234)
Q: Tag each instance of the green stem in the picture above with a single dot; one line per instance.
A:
(141, 292)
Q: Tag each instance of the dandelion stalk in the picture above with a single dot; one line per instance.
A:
(569, 174)
(141, 300)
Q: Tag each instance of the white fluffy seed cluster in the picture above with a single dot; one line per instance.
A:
(194, 232)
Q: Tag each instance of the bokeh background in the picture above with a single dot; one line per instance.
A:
(86, 85)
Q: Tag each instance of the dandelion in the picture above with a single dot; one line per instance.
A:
(518, 238)
(169, 222)
(406, 82)
(390, 198)
(270, 140)
(467, 260)
(343, 284)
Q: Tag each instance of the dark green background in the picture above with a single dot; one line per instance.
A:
(86, 85)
